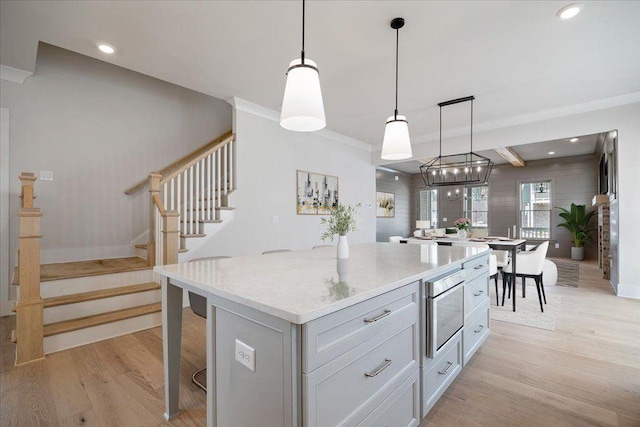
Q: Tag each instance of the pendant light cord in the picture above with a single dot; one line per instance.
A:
(471, 126)
(302, 53)
(395, 113)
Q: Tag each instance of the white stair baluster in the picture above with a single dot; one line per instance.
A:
(191, 200)
(226, 168)
(231, 183)
(196, 199)
(178, 202)
(219, 186)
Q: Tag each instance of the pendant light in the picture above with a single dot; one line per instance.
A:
(302, 106)
(396, 144)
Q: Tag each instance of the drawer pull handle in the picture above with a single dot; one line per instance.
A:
(480, 327)
(385, 365)
(478, 294)
(385, 313)
(449, 365)
(478, 267)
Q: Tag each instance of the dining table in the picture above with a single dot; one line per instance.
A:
(495, 243)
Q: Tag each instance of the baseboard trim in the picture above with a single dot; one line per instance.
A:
(628, 291)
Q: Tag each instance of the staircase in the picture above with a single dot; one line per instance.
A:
(70, 304)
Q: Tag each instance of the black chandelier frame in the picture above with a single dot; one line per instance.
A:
(457, 169)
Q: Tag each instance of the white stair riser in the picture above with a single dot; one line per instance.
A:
(89, 308)
(101, 332)
(140, 253)
(54, 288)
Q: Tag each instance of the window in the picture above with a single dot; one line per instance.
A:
(476, 205)
(535, 210)
(428, 206)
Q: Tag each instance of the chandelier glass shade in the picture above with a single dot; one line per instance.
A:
(396, 144)
(457, 169)
(302, 105)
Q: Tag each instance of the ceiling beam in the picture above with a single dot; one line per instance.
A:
(510, 155)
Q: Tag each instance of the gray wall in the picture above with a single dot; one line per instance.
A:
(575, 179)
(100, 129)
(403, 223)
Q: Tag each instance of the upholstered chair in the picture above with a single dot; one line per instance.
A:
(529, 265)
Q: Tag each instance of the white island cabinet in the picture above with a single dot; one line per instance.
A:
(303, 339)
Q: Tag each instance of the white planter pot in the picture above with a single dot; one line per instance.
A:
(343, 248)
(577, 253)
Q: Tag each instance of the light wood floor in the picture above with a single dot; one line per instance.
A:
(585, 373)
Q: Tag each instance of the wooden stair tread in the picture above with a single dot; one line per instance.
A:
(182, 251)
(100, 319)
(69, 270)
(99, 294)
(205, 221)
(192, 235)
(225, 208)
(142, 246)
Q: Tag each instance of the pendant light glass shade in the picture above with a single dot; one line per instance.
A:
(302, 106)
(396, 144)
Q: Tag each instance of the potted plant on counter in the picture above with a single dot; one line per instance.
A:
(343, 220)
(576, 221)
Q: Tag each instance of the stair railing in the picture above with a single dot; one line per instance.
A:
(191, 195)
(29, 334)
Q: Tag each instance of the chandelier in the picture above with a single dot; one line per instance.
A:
(457, 169)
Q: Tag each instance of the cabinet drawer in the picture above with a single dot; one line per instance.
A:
(475, 293)
(340, 391)
(441, 373)
(401, 408)
(476, 267)
(328, 337)
(476, 330)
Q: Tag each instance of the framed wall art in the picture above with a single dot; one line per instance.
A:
(317, 194)
(385, 205)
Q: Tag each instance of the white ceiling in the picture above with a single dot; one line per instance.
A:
(586, 144)
(516, 57)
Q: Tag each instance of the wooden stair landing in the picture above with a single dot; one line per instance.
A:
(100, 319)
(69, 270)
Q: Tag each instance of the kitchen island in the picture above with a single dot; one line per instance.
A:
(301, 338)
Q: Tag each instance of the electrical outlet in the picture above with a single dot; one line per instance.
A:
(245, 355)
(275, 220)
(46, 176)
(557, 245)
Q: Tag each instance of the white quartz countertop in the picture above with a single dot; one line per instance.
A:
(302, 286)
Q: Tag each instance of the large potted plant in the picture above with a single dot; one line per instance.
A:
(343, 220)
(576, 221)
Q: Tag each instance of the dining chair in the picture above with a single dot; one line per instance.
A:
(529, 266)
(198, 305)
(276, 251)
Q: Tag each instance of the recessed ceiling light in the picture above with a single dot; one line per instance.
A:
(106, 48)
(569, 11)
(552, 152)
(574, 139)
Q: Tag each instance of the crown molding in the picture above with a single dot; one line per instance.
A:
(273, 115)
(14, 74)
(554, 113)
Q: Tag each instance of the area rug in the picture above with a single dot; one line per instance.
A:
(568, 272)
(527, 309)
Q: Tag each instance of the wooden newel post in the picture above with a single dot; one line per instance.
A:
(26, 194)
(170, 237)
(154, 189)
(29, 318)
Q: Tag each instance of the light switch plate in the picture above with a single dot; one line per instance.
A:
(245, 355)
(46, 176)
(557, 245)
(444, 219)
